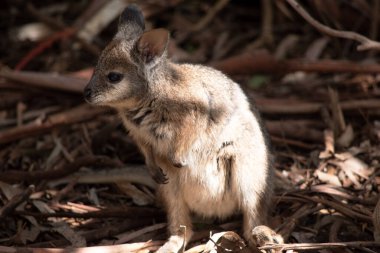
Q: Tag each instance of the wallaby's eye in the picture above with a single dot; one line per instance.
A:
(114, 77)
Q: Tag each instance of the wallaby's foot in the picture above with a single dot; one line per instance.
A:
(262, 235)
(158, 175)
(173, 245)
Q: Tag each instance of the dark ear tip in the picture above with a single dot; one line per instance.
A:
(132, 13)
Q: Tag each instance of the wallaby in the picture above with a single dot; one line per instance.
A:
(202, 143)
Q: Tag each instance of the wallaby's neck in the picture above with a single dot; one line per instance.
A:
(163, 76)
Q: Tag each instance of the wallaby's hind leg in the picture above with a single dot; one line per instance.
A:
(179, 220)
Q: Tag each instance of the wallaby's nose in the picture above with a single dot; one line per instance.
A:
(87, 94)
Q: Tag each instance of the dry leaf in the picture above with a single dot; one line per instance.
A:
(139, 197)
(316, 48)
(328, 178)
(33, 32)
(286, 45)
(73, 237)
(29, 235)
(42, 206)
(8, 190)
(346, 138)
(357, 166)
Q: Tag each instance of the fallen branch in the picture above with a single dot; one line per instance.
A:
(15, 201)
(304, 130)
(344, 209)
(107, 230)
(46, 80)
(123, 212)
(274, 106)
(366, 43)
(131, 247)
(128, 236)
(281, 141)
(74, 115)
(31, 115)
(263, 62)
(266, 35)
(16, 176)
(137, 174)
(337, 192)
(210, 15)
(316, 246)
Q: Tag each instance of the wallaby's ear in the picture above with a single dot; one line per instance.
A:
(131, 22)
(152, 44)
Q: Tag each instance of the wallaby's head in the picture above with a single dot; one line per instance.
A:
(126, 68)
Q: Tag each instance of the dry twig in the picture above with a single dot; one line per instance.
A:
(210, 15)
(30, 176)
(75, 115)
(316, 246)
(131, 247)
(137, 174)
(365, 43)
(124, 212)
(15, 201)
(266, 35)
(46, 80)
(126, 237)
(248, 63)
(271, 106)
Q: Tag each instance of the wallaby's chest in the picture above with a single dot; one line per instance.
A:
(210, 191)
(147, 121)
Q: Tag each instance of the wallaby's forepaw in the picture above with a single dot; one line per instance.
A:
(178, 161)
(262, 235)
(179, 164)
(159, 176)
(173, 245)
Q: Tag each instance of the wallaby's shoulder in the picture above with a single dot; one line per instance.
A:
(209, 80)
(204, 73)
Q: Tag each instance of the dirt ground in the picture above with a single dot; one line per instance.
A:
(70, 177)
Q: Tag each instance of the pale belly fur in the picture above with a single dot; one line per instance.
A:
(210, 197)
